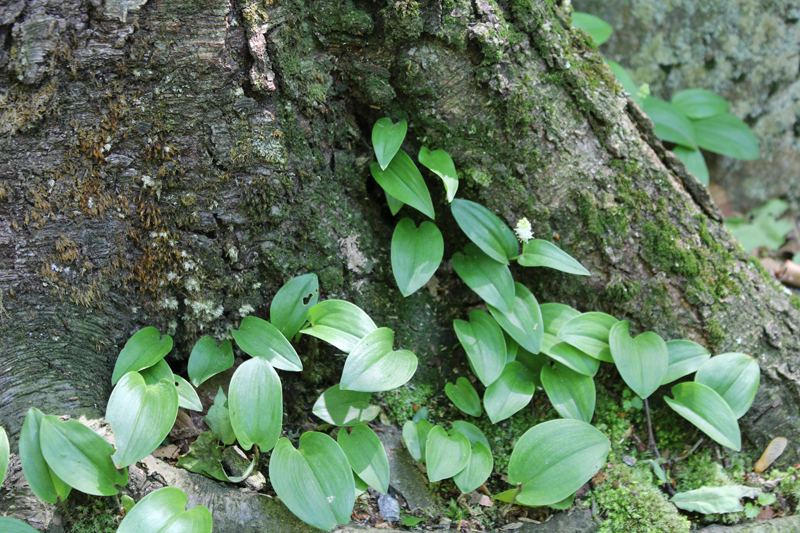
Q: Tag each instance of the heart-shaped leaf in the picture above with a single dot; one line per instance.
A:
(402, 180)
(367, 456)
(339, 323)
(416, 254)
(315, 481)
(478, 469)
(255, 403)
(463, 395)
(387, 138)
(538, 252)
(491, 280)
(441, 164)
(685, 357)
(470, 431)
(735, 377)
(599, 29)
(589, 333)
(259, 338)
(446, 455)
(219, 419)
(4, 454)
(572, 394)
(373, 366)
(344, 407)
(705, 408)
(708, 500)
(290, 306)
(394, 203)
(554, 459)
(554, 316)
(727, 135)
(524, 323)
(699, 103)
(12, 525)
(485, 229)
(141, 416)
(44, 483)
(75, 452)
(575, 359)
(484, 343)
(208, 359)
(164, 511)
(670, 124)
(205, 457)
(187, 396)
(511, 392)
(145, 348)
(415, 436)
(694, 161)
(642, 362)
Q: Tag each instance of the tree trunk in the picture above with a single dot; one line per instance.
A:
(171, 163)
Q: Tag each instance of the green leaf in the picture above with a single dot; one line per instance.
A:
(446, 455)
(187, 396)
(440, 163)
(509, 393)
(219, 419)
(564, 504)
(485, 229)
(4, 454)
(12, 525)
(373, 366)
(642, 362)
(657, 470)
(478, 469)
(484, 343)
(403, 181)
(761, 227)
(533, 363)
(205, 457)
(367, 456)
(670, 124)
(387, 138)
(44, 483)
(589, 333)
(538, 252)
(599, 29)
(164, 511)
(394, 204)
(463, 395)
(75, 452)
(554, 316)
(153, 374)
(711, 500)
(735, 377)
(416, 254)
(575, 359)
(470, 431)
(524, 323)
(511, 347)
(625, 79)
(255, 403)
(705, 408)
(344, 407)
(315, 481)
(694, 161)
(339, 323)
(491, 280)
(415, 436)
(259, 338)
(554, 459)
(145, 348)
(411, 521)
(685, 357)
(289, 308)
(209, 359)
(572, 394)
(727, 135)
(127, 503)
(140, 416)
(699, 103)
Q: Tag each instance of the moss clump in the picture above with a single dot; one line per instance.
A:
(91, 514)
(334, 16)
(402, 22)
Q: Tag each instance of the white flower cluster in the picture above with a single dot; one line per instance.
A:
(523, 230)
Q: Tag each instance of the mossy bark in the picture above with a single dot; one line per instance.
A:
(175, 162)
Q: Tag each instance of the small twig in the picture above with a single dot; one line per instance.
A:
(65, 509)
(683, 456)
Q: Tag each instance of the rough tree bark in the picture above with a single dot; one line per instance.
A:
(172, 162)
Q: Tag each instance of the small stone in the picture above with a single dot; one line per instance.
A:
(390, 509)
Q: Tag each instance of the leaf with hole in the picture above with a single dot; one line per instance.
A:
(685, 357)
(255, 403)
(340, 323)
(367, 457)
(642, 362)
(44, 483)
(402, 180)
(478, 469)
(485, 229)
(554, 459)
(710, 500)
(705, 408)
(373, 366)
(694, 161)
(599, 29)
(524, 323)
(164, 511)
(315, 481)
(491, 280)
(735, 377)
(187, 396)
(145, 348)
(511, 392)
(699, 103)
(259, 338)
(219, 419)
(387, 138)
(440, 163)
(670, 124)
(289, 308)
(538, 252)
(463, 396)
(572, 394)
(141, 416)
(415, 436)
(446, 455)
(727, 135)
(574, 359)
(484, 343)
(209, 359)
(416, 254)
(344, 407)
(589, 333)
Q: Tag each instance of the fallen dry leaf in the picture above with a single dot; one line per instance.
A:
(774, 450)
(167, 452)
